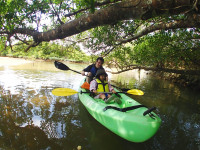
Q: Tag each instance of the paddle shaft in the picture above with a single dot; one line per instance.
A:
(102, 92)
(68, 92)
(123, 89)
(78, 72)
(62, 66)
(75, 71)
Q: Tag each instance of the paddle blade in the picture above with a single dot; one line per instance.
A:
(61, 66)
(135, 92)
(63, 92)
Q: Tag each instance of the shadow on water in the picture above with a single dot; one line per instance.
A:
(32, 118)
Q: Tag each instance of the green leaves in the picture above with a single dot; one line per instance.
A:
(45, 50)
(168, 50)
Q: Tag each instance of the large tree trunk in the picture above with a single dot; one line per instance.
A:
(129, 9)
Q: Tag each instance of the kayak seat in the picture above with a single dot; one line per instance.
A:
(114, 99)
(117, 100)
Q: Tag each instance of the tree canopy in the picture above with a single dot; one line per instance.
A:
(157, 33)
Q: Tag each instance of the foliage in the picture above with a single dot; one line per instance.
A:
(106, 37)
(29, 14)
(173, 49)
(122, 58)
(47, 51)
(177, 49)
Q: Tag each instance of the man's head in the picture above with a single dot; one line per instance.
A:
(99, 62)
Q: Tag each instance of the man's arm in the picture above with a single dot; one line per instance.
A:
(87, 69)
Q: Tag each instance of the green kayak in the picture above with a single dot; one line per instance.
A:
(130, 120)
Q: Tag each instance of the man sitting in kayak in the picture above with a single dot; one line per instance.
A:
(92, 69)
(100, 84)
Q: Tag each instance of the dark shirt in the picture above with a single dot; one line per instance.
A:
(88, 68)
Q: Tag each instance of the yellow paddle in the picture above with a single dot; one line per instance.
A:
(68, 92)
(63, 92)
(134, 92)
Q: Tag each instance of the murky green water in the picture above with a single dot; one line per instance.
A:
(32, 118)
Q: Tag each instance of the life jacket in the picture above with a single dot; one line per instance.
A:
(102, 87)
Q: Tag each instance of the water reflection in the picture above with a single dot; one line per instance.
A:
(32, 118)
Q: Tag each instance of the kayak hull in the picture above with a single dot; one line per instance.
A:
(130, 125)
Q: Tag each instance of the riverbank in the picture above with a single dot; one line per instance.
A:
(9, 61)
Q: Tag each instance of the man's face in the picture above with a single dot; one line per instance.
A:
(99, 63)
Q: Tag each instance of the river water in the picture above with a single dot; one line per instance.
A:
(31, 117)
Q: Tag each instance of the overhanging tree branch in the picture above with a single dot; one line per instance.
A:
(96, 4)
(191, 21)
(34, 44)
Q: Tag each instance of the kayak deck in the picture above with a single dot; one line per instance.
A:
(131, 125)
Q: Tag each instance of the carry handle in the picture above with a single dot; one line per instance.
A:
(149, 111)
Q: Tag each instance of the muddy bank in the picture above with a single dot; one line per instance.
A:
(9, 61)
(12, 61)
